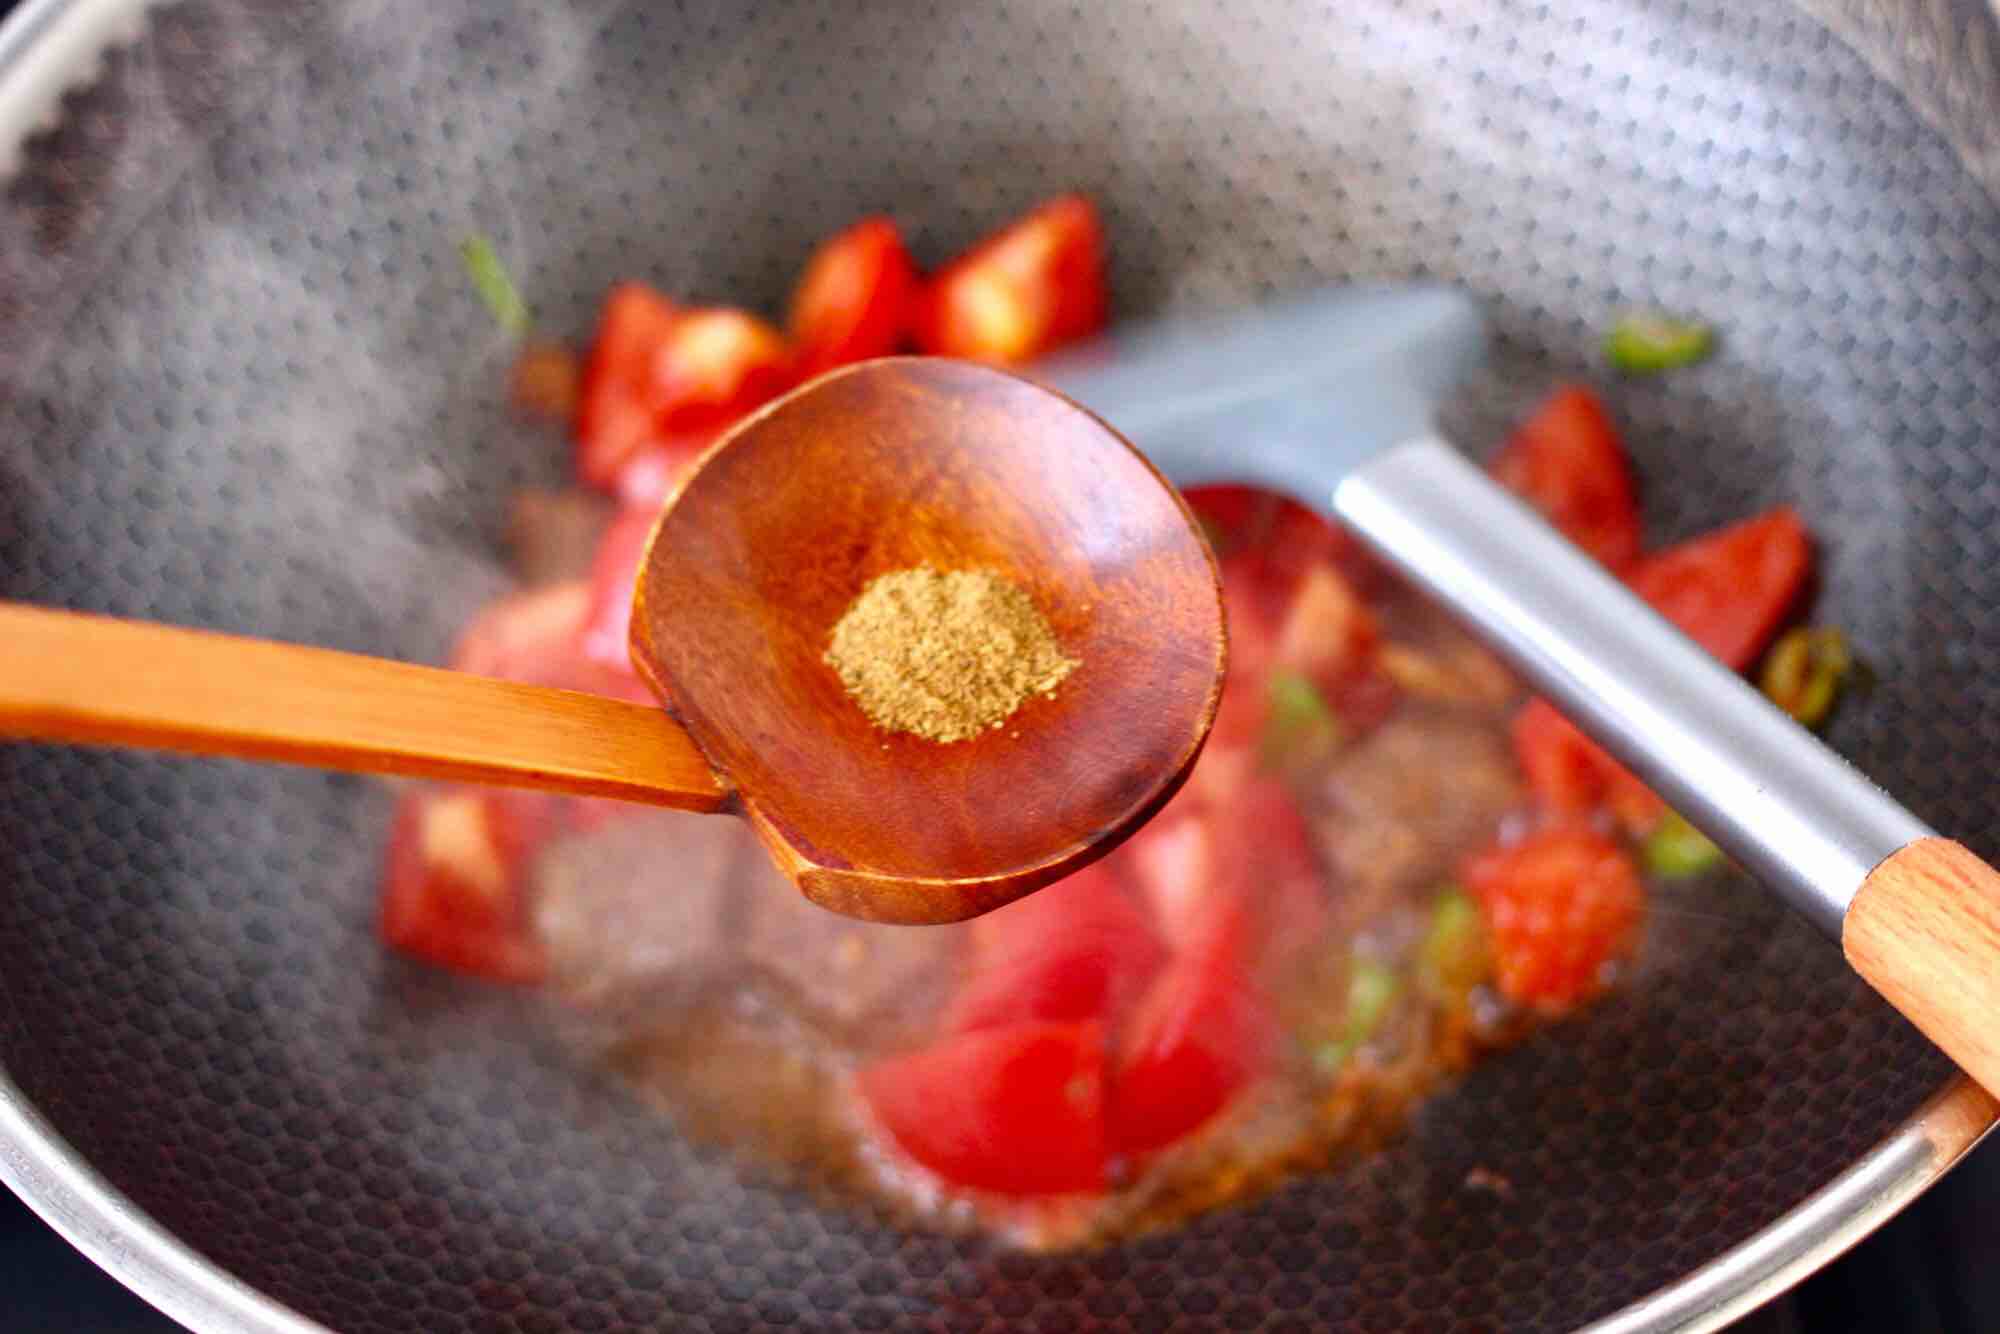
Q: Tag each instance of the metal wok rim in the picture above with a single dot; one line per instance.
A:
(48, 47)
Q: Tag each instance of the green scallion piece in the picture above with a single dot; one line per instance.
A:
(1804, 672)
(1299, 725)
(494, 284)
(1649, 344)
(1676, 849)
(1371, 989)
(1452, 958)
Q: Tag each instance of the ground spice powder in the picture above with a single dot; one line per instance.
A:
(944, 655)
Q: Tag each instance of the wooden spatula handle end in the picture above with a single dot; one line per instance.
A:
(1924, 930)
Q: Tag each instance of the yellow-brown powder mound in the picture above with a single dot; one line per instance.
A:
(944, 655)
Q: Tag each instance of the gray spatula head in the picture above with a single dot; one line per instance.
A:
(1292, 396)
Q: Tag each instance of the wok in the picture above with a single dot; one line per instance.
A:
(241, 387)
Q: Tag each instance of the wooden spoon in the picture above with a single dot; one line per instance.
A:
(869, 469)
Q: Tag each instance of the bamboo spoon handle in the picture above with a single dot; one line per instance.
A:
(75, 678)
(1925, 931)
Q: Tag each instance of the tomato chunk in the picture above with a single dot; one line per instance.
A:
(651, 476)
(605, 636)
(617, 413)
(663, 380)
(716, 365)
(1730, 589)
(1572, 775)
(1022, 292)
(1017, 1110)
(1077, 950)
(1237, 863)
(1170, 864)
(857, 298)
(534, 637)
(453, 893)
(1196, 1039)
(1265, 861)
(1558, 905)
(1566, 460)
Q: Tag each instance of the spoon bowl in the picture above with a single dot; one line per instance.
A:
(906, 462)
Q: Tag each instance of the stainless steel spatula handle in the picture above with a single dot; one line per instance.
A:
(1792, 811)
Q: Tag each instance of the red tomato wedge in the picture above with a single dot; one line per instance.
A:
(605, 636)
(617, 411)
(1239, 866)
(1558, 905)
(1566, 460)
(857, 298)
(716, 365)
(1197, 1037)
(1077, 950)
(1572, 775)
(1729, 590)
(664, 379)
(1170, 864)
(1022, 292)
(453, 892)
(1265, 863)
(1017, 1110)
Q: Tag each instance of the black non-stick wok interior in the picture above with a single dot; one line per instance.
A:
(243, 387)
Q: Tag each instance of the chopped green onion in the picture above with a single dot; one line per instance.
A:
(1371, 990)
(1299, 725)
(1676, 849)
(495, 287)
(1804, 672)
(1648, 344)
(1452, 958)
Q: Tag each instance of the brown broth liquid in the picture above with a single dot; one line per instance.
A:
(744, 1011)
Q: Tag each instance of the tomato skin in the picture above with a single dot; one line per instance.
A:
(616, 415)
(856, 299)
(1076, 950)
(1017, 1110)
(1558, 906)
(1024, 291)
(1729, 590)
(453, 890)
(1567, 461)
(1199, 1035)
